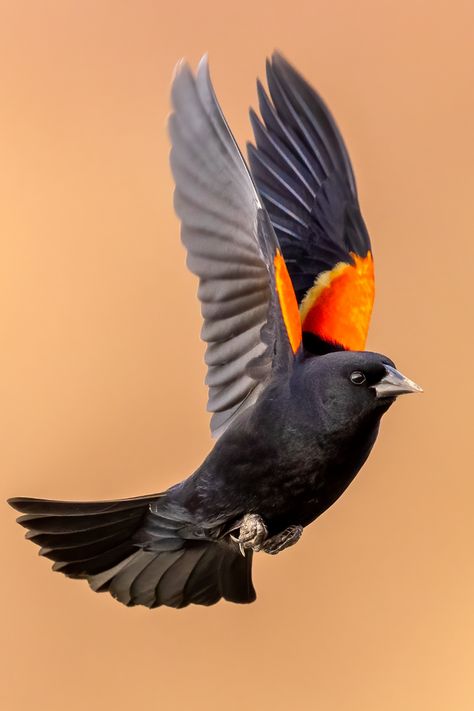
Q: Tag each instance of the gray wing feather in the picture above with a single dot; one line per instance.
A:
(220, 210)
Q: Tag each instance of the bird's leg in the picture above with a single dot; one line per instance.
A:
(252, 533)
(286, 538)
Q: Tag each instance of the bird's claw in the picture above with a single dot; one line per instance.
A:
(252, 533)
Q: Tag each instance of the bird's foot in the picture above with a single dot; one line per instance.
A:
(252, 533)
(285, 539)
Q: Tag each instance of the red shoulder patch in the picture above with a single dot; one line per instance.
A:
(338, 307)
(288, 303)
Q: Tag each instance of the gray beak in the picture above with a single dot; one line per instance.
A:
(394, 384)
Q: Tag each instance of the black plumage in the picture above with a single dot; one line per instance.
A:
(295, 424)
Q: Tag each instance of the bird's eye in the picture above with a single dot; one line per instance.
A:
(357, 377)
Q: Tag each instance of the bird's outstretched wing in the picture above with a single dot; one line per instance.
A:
(304, 176)
(251, 320)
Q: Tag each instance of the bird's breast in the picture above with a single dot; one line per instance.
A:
(309, 478)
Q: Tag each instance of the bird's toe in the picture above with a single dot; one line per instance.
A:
(285, 539)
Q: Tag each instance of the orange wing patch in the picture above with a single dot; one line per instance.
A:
(338, 307)
(288, 303)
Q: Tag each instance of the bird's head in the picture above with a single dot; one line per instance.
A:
(352, 385)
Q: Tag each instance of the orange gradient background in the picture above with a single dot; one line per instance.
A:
(101, 377)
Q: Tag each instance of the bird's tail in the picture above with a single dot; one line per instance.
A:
(100, 542)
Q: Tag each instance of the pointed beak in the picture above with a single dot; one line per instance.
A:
(394, 384)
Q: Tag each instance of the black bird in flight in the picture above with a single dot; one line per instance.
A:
(286, 285)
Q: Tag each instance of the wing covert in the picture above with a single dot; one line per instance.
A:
(231, 247)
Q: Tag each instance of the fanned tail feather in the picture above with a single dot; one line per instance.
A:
(101, 542)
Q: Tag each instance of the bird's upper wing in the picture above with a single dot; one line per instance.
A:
(304, 176)
(251, 320)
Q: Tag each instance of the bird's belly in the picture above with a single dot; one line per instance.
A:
(301, 498)
(301, 494)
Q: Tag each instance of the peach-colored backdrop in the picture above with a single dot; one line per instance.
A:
(101, 375)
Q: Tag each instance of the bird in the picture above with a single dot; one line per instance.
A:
(286, 285)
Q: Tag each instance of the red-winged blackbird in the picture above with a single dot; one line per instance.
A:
(286, 286)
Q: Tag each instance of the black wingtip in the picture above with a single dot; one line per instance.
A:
(268, 68)
(278, 64)
(279, 58)
(255, 121)
(261, 97)
(282, 67)
(251, 150)
(253, 115)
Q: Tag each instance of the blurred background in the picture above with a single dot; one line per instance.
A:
(101, 369)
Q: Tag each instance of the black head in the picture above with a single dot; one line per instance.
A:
(353, 385)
